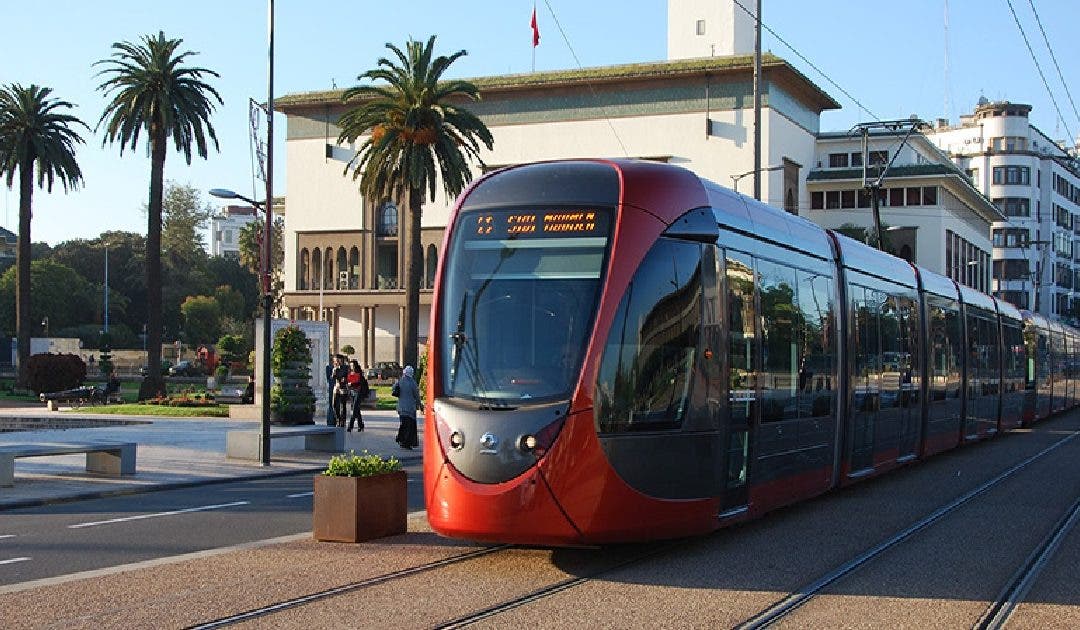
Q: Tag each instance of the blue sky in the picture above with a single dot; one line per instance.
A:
(889, 56)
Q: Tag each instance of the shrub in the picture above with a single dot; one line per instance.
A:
(348, 350)
(55, 372)
(365, 465)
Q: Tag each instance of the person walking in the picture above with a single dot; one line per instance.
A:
(341, 390)
(331, 418)
(408, 395)
(360, 389)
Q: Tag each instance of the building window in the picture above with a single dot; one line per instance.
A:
(847, 198)
(431, 262)
(354, 268)
(817, 200)
(856, 159)
(878, 158)
(316, 268)
(387, 222)
(1014, 206)
(1012, 175)
(305, 270)
(929, 195)
(700, 26)
(838, 160)
(973, 174)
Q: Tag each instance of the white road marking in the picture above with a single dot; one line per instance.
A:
(13, 560)
(155, 514)
(7, 535)
(299, 494)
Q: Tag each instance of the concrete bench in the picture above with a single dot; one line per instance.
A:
(107, 458)
(244, 444)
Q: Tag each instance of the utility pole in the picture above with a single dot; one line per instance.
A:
(874, 187)
(757, 102)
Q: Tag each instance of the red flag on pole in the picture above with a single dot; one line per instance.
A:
(535, 29)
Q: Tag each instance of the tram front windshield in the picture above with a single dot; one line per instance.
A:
(521, 289)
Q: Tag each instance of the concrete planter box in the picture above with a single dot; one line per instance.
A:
(355, 509)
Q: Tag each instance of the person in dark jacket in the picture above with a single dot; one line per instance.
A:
(341, 390)
(360, 389)
(408, 395)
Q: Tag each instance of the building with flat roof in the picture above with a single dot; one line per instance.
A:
(343, 252)
(931, 213)
(1035, 183)
(225, 229)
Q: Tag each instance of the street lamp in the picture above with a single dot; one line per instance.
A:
(225, 193)
(735, 178)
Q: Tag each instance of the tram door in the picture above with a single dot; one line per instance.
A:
(743, 370)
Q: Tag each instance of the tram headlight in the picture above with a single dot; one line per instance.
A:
(527, 443)
(457, 440)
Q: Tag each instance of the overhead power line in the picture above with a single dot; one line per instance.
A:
(809, 63)
(592, 89)
(1042, 76)
(1054, 58)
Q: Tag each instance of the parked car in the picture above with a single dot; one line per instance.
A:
(186, 368)
(384, 370)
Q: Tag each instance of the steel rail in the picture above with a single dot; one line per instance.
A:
(786, 606)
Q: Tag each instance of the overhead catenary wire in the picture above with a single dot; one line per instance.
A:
(577, 61)
(1053, 57)
(1038, 67)
(809, 63)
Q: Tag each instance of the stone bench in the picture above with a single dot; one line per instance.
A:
(245, 443)
(107, 458)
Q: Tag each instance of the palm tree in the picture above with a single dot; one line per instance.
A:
(152, 90)
(33, 130)
(416, 133)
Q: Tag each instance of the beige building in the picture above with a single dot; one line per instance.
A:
(343, 252)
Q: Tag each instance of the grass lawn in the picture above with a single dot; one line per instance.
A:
(136, 409)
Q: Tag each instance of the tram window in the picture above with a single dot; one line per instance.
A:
(781, 321)
(742, 336)
(645, 374)
(815, 304)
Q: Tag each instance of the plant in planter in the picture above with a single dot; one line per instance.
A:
(358, 498)
(291, 398)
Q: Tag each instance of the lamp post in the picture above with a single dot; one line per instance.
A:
(224, 193)
(735, 178)
(268, 232)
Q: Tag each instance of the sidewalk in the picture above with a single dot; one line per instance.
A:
(171, 452)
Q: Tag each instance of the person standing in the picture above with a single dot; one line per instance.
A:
(360, 389)
(341, 390)
(331, 418)
(408, 395)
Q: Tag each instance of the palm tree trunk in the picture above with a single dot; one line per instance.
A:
(154, 384)
(413, 267)
(22, 272)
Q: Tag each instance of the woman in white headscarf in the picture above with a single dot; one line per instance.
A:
(408, 393)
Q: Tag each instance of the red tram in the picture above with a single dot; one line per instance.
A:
(623, 351)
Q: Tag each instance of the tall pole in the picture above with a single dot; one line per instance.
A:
(106, 289)
(264, 450)
(757, 102)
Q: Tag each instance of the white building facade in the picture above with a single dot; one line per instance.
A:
(342, 252)
(225, 230)
(1035, 182)
(931, 213)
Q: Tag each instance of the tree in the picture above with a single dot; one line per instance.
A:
(183, 221)
(152, 90)
(59, 294)
(250, 241)
(221, 270)
(34, 132)
(416, 132)
(202, 319)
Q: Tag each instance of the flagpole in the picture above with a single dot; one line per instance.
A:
(534, 38)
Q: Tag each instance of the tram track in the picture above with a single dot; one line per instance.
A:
(303, 600)
(998, 611)
(586, 567)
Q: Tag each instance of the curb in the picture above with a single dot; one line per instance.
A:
(119, 492)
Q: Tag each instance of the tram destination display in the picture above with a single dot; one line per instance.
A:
(553, 223)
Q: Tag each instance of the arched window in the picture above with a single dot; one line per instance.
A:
(354, 268)
(342, 278)
(328, 270)
(303, 278)
(430, 263)
(386, 220)
(316, 268)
